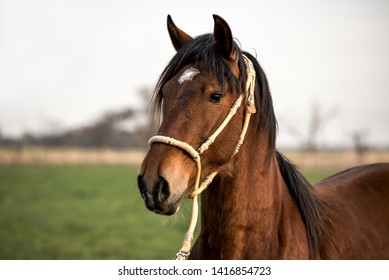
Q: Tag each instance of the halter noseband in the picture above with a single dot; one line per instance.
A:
(195, 154)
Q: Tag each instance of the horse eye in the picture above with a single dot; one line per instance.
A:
(215, 97)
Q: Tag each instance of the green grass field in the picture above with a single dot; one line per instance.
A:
(84, 212)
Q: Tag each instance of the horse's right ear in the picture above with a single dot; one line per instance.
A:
(178, 37)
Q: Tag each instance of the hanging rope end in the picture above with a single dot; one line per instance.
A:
(184, 252)
(181, 256)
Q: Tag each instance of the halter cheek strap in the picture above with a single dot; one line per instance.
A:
(199, 187)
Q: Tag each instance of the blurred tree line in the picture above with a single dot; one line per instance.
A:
(118, 129)
(130, 128)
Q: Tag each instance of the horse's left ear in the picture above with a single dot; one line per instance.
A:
(178, 37)
(223, 38)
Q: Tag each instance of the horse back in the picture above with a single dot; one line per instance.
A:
(357, 206)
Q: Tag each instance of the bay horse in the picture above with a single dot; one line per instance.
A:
(256, 204)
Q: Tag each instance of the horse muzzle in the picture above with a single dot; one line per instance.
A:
(157, 195)
(163, 179)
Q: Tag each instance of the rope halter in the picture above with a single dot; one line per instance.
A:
(195, 154)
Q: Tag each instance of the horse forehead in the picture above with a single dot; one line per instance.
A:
(188, 74)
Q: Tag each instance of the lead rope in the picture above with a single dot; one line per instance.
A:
(184, 252)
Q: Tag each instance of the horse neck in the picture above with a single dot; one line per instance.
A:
(247, 203)
(246, 184)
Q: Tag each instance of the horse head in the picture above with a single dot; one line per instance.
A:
(194, 94)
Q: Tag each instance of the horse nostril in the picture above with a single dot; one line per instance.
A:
(161, 190)
(142, 186)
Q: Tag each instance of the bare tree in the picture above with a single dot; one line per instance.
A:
(148, 124)
(317, 120)
(359, 139)
(104, 130)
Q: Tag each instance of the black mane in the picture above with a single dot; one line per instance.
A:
(311, 209)
(202, 49)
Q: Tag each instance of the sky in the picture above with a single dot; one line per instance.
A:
(64, 63)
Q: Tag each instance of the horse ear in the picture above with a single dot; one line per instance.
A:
(178, 37)
(223, 38)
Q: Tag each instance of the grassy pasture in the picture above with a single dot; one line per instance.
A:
(84, 211)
